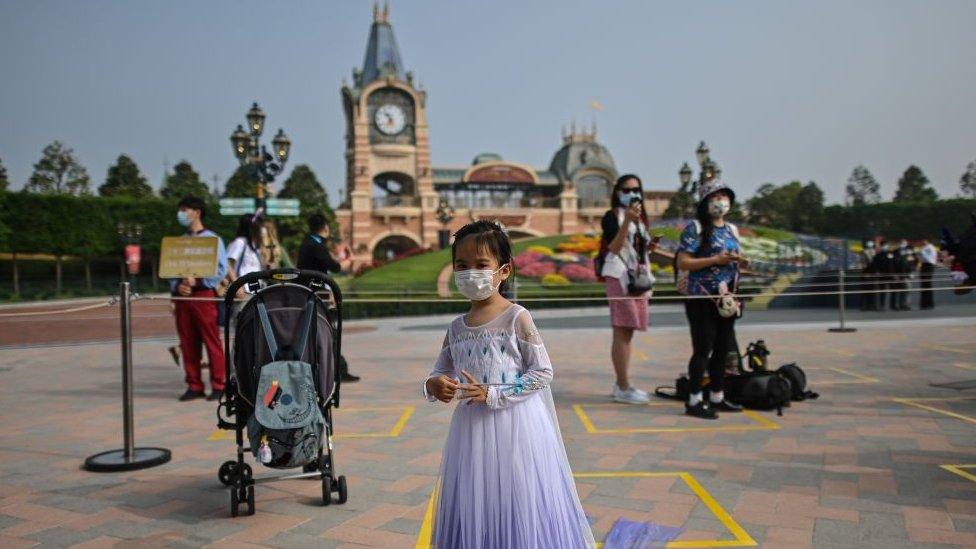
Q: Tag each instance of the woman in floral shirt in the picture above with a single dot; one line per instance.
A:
(709, 250)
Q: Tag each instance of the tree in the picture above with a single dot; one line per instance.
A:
(862, 187)
(241, 184)
(914, 187)
(4, 182)
(769, 205)
(808, 209)
(681, 205)
(184, 181)
(124, 179)
(967, 183)
(58, 172)
(313, 198)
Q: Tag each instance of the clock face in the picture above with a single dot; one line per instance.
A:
(390, 119)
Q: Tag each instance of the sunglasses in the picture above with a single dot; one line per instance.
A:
(631, 190)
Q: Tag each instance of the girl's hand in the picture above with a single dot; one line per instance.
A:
(723, 258)
(442, 387)
(633, 213)
(472, 391)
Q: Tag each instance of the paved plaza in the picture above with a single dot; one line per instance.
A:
(882, 459)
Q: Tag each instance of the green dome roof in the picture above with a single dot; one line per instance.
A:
(576, 155)
(486, 157)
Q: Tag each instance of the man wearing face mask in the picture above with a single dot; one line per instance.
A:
(868, 300)
(196, 320)
(883, 265)
(906, 264)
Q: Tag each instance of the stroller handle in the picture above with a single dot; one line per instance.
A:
(283, 274)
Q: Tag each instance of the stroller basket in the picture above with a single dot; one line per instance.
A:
(291, 305)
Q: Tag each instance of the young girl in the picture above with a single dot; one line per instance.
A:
(505, 479)
(709, 250)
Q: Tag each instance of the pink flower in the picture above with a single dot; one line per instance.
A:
(538, 269)
(525, 259)
(578, 273)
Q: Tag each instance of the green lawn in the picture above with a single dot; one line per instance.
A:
(418, 274)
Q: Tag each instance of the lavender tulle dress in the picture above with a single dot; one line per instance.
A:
(505, 480)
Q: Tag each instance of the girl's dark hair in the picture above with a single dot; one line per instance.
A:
(705, 220)
(489, 235)
(615, 199)
(248, 227)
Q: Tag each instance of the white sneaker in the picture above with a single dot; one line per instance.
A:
(632, 395)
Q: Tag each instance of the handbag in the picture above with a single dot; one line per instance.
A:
(639, 279)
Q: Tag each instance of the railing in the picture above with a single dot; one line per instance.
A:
(394, 201)
(481, 203)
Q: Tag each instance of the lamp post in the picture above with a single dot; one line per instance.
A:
(708, 170)
(262, 166)
(445, 214)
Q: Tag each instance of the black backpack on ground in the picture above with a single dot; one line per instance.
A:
(759, 391)
(798, 382)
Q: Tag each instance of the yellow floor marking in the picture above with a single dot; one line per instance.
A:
(742, 538)
(427, 527)
(761, 423)
(858, 378)
(915, 402)
(406, 413)
(958, 469)
(948, 349)
(968, 366)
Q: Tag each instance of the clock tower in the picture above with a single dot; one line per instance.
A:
(390, 200)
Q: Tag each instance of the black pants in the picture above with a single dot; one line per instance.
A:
(710, 338)
(869, 300)
(927, 301)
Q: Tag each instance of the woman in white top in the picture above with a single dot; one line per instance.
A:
(624, 250)
(242, 253)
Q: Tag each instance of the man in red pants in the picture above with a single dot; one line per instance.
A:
(196, 320)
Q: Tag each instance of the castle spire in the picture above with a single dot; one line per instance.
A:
(382, 54)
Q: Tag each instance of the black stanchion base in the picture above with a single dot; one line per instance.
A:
(114, 461)
(842, 330)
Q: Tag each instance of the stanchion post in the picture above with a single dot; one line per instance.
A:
(129, 457)
(125, 316)
(842, 305)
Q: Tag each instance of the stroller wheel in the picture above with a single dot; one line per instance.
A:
(246, 474)
(227, 473)
(249, 492)
(234, 502)
(342, 489)
(326, 490)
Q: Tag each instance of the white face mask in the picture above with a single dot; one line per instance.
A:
(718, 207)
(476, 284)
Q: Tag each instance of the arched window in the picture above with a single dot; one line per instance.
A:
(594, 191)
(394, 189)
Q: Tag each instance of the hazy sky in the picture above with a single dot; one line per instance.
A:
(779, 90)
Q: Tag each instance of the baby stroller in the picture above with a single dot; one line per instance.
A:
(282, 330)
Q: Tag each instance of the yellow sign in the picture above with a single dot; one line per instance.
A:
(183, 256)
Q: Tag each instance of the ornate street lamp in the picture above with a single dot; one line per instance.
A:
(255, 120)
(701, 153)
(241, 142)
(709, 170)
(445, 214)
(281, 145)
(262, 165)
(685, 174)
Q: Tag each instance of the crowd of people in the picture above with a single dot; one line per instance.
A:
(889, 270)
(199, 315)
